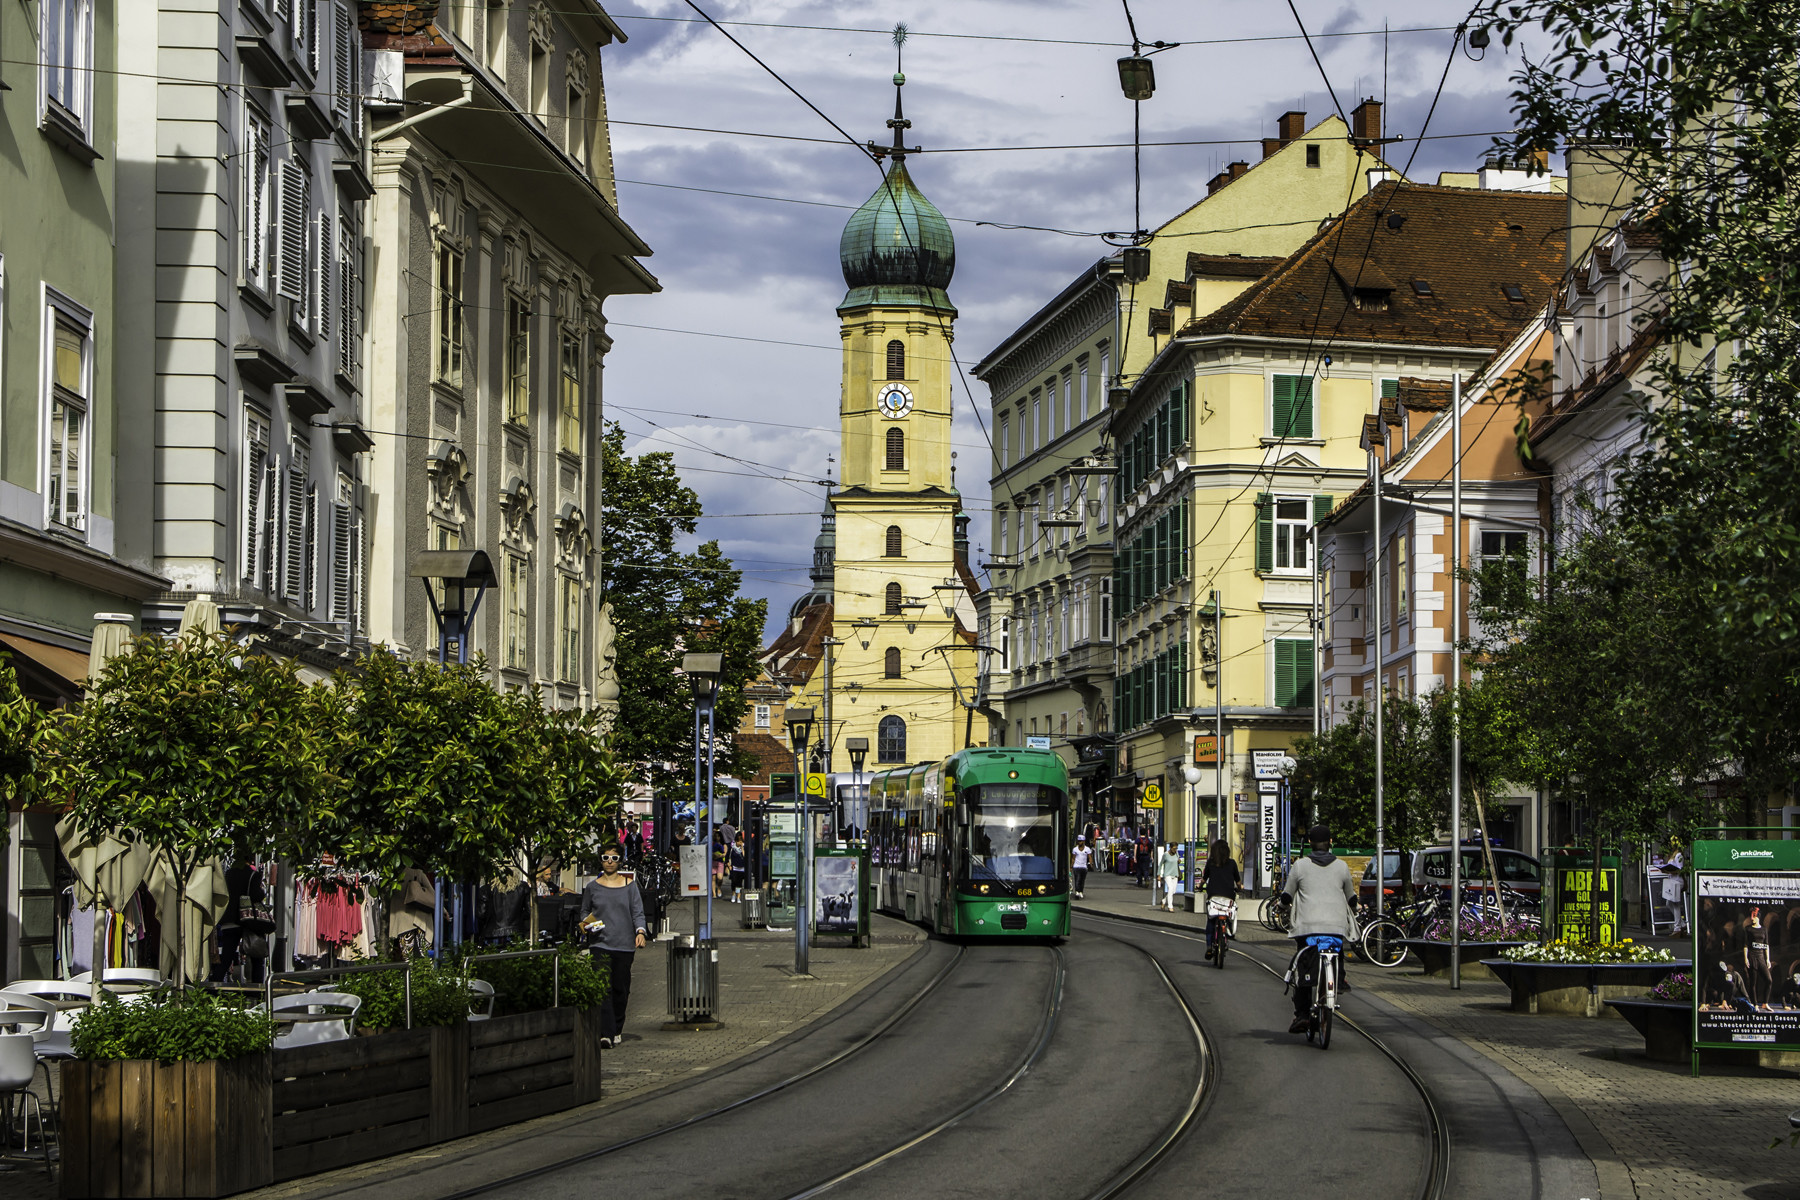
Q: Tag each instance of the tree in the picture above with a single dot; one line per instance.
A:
(668, 602)
(576, 802)
(1340, 765)
(24, 736)
(439, 771)
(1700, 108)
(198, 751)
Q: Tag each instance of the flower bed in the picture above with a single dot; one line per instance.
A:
(1587, 953)
(1678, 987)
(1484, 929)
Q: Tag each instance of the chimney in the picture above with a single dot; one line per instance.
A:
(1216, 182)
(1236, 169)
(1290, 125)
(1540, 161)
(1271, 145)
(1365, 121)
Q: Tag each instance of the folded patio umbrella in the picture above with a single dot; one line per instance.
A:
(200, 907)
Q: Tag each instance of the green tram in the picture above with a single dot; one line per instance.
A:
(975, 846)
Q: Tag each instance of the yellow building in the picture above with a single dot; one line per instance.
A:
(900, 667)
(1248, 428)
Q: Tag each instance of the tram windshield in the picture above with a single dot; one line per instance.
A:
(1015, 833)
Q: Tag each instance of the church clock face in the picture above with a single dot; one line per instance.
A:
(894, 400)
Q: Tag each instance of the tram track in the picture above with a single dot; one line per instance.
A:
(862, 1043)
(1437, 1176)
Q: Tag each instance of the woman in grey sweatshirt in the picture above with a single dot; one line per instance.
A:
(614, 898)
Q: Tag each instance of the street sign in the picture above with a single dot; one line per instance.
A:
(1206, 750)
(815, 784)
(1153, 795)
(1267, 763)
(694, 861)
(1268, 786)
(1037, 742)
(1245, 818)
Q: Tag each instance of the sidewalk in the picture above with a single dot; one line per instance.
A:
(1653, 1131)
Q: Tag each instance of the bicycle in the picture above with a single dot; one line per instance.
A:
(1221, 927)
(1327, 950)
(1273, 913)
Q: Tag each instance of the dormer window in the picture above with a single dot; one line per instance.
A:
(1370, 299)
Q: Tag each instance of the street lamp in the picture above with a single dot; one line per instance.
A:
(1284, 825)
(458, 571)
(703, 671)
(858, 749)
(800, 723)
(1191, 774)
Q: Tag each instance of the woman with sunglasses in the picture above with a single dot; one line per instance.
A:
(615, 899)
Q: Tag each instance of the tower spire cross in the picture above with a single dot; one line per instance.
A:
(898, 123)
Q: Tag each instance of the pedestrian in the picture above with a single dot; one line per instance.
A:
(1171, 876)
(720, 858)
(615, 902)
(1080, 866)
(1146, 860)
(739, 860)
(1674, 883)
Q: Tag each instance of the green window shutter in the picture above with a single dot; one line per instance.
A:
(1321, 508)
(1390, 389)
(1265, 532)
(1284, 673)
(1303, 673)
(1282, 411)
(1182, 408)
(1303, 407)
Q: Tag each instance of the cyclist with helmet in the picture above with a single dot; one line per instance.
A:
(1322, 897)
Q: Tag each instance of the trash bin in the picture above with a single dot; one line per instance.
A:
(753, 912)
(693, 980)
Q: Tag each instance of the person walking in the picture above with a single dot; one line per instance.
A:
(1170, 870)
(738, 859)
(615, 901)
(1079, 866)
(1146, 859)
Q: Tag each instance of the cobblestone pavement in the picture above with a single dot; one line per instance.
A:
(1652, 1130)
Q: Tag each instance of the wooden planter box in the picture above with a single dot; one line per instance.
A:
(1577, 989)
(1435, 956)
(215, 1128)
(136, 1128)
(1668, 1029)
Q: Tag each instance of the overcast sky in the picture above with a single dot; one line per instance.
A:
(746, 395)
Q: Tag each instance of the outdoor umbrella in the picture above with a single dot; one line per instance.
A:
(200, 907)
(107, 871)
(199, 616)
(112, 633)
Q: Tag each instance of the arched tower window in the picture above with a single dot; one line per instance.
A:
(893, 599)
(893, 541)
(896, 449)
(893, 662)
(890, 740)
(896, 359)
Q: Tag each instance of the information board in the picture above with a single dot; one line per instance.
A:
(1579, 890)
(1746, 972)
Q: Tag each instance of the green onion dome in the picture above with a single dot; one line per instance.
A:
(897, 247)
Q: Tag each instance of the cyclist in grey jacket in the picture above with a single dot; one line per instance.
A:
(1323, 895)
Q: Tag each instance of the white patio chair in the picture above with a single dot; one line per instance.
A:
(310, 1033)
(481, 999)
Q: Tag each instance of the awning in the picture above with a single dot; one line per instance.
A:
(46, 671)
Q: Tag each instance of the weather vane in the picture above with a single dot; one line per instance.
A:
(899, 122)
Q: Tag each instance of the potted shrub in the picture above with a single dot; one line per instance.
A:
(1578, 978)
(167, 1096)
(1482, 937)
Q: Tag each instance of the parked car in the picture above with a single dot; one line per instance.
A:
(1395, 885)
(1517, 870)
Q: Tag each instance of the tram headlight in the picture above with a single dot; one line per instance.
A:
(984, 889)
(1042, 888)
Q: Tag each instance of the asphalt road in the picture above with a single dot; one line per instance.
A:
(1038, 1071)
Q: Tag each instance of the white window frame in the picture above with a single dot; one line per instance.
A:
(763, 716)
(256, 498)
(76, 70)
(259, 187)
(1004, 431)
(449, 349)
(515, 635)
(1298, 545)
(569, 623)
(61, 311)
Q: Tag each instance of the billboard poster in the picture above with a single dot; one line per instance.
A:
(1747, 955)
(1579, 891)
(837, 903)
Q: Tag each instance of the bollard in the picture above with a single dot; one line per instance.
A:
(409, 995)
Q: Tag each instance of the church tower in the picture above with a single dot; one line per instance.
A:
(903, 607)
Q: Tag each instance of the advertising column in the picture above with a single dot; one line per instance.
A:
(1746, 949)
(1267, 765)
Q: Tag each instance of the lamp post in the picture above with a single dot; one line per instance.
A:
(800, 723)
(1191, 774)
(703, 671)
(1284, 824)
(858, 750)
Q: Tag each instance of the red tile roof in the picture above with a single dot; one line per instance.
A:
(1468, 244)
